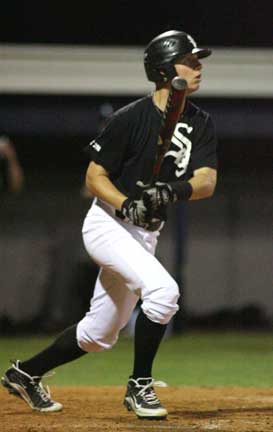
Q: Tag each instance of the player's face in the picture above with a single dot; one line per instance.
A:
(189, 68)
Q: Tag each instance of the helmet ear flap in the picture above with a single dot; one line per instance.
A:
(167, 72)
(170, 71)
(160, 74)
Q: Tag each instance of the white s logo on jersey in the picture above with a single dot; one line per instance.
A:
(184, 144)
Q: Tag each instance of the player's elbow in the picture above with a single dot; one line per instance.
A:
(94, 174)
(90, 182)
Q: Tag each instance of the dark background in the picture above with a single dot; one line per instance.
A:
(228, 23)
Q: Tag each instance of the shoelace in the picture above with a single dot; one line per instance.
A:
(43, 391)
(148, 393)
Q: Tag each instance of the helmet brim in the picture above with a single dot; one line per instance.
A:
(202, 52)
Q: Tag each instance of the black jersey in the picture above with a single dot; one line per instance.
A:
(126, 147)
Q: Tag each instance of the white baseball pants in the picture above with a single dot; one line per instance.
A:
(128, 271)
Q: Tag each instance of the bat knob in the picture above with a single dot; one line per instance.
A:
(179, 83)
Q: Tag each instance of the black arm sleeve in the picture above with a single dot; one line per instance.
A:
(205, 151)
(109, 147)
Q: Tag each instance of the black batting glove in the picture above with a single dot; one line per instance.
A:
(159, 195)
(137, 213)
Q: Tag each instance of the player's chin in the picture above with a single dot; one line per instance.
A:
(194, 86)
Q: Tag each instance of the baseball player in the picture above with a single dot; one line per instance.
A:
(121, 229)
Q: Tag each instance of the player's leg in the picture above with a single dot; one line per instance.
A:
(24, 379)
(111, 307)
(128, 252)
(136, 270)
(158, 307)
(115, 305)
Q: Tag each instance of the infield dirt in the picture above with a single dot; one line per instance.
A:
(225, 409)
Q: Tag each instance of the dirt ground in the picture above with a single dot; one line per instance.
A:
(229, 409)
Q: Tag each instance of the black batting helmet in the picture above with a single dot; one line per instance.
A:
(161, 53)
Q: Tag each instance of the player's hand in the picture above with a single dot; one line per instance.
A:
(161, 194)
(135, 211)
(138, 214)
(157, 196)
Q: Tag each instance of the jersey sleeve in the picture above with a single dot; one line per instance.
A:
(205, 151)
(109, 147)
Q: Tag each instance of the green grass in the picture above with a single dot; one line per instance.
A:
(194, 358)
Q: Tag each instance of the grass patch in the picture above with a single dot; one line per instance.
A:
(194, 358)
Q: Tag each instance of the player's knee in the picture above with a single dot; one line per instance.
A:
(91, 340)
(161, 305)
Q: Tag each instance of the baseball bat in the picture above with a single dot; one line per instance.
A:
(174, 107)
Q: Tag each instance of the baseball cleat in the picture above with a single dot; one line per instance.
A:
(29, 388)
(141, 398)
